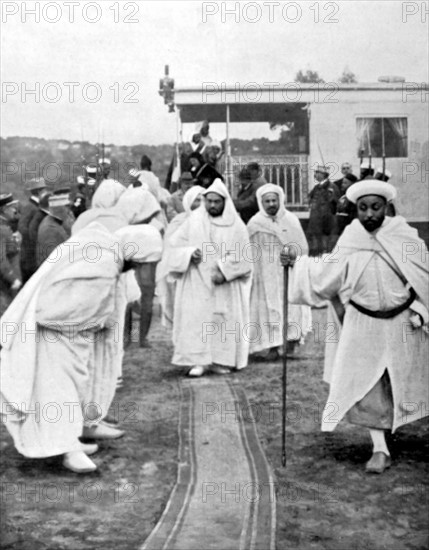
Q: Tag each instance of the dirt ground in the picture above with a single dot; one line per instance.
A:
(324, 498)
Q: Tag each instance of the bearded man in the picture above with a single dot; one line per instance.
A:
(378, 284)
(270, 230)
(211, 310)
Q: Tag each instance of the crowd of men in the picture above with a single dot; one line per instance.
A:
(216, 264)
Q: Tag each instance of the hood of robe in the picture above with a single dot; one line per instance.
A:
(271, 188)
(107, 194)
(190, 196)
(137, 205)
(229, 214)
(284, 225)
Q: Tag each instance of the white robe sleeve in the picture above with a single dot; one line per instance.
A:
(180, 251)
(313, 280)
(234, 262)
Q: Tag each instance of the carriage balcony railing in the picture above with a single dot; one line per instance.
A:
(288, 171)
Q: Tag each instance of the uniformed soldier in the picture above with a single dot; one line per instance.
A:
(28, 246)
(322, 226)
(10, 276)
(39, 217)
(346, 210)
(105, 166)
(78, 205)
(53, 229)
(93, 179)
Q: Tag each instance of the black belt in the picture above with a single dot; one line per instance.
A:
(390, 312)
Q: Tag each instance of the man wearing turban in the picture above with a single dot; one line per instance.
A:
(270, 230)
(377, 281)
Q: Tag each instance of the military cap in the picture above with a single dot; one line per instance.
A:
(60, 197)
(6, 199)
(321, 168)
(44, 202)
(379, 175)
(91, 169)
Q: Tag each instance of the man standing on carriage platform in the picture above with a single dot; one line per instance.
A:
(377, 281)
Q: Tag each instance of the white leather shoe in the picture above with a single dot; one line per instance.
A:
(102, 431)
(78, 462)
(196, 371)
(89, 448)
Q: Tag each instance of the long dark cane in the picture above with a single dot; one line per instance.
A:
(285, 327)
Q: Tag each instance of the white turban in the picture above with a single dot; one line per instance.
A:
(140, 243)
(371, 187)
(265, 190)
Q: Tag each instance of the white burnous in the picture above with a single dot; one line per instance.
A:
(377, 368)
(272, 228)
(213, 285)
(62, 346)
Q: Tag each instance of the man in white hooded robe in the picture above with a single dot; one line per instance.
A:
(61, 353)
(211, 311)
(166, 285)
(270, 230)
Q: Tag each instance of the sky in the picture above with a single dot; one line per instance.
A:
(98, 64)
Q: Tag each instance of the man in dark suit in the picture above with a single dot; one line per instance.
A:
(246, 203)
(255, 171)
(28, 246)
(52, 230)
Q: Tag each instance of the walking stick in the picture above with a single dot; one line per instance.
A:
(285, 327)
